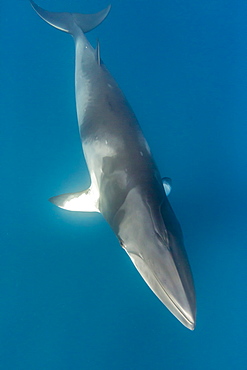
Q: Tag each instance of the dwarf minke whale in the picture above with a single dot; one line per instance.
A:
(126, 186)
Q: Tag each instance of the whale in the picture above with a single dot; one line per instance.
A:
(126, 186)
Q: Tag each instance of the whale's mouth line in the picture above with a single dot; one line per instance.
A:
(173, 302)
(175, 305)
(179, 309)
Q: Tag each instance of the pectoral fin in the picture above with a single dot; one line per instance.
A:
(82, 201)
(167, 183)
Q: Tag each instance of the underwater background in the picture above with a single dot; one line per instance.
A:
(70, 297)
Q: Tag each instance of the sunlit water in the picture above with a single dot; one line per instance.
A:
(70, 297)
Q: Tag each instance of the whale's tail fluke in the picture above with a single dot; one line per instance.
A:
(67, 21)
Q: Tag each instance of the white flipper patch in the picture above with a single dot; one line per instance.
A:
(167, 183)
(82, 201)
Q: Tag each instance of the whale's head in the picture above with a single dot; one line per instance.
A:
(151, 235)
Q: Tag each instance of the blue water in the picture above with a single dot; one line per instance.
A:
(70, 297)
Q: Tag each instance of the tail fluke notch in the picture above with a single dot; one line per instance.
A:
(66, 21)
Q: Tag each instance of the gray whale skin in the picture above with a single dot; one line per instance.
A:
(126, 186)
